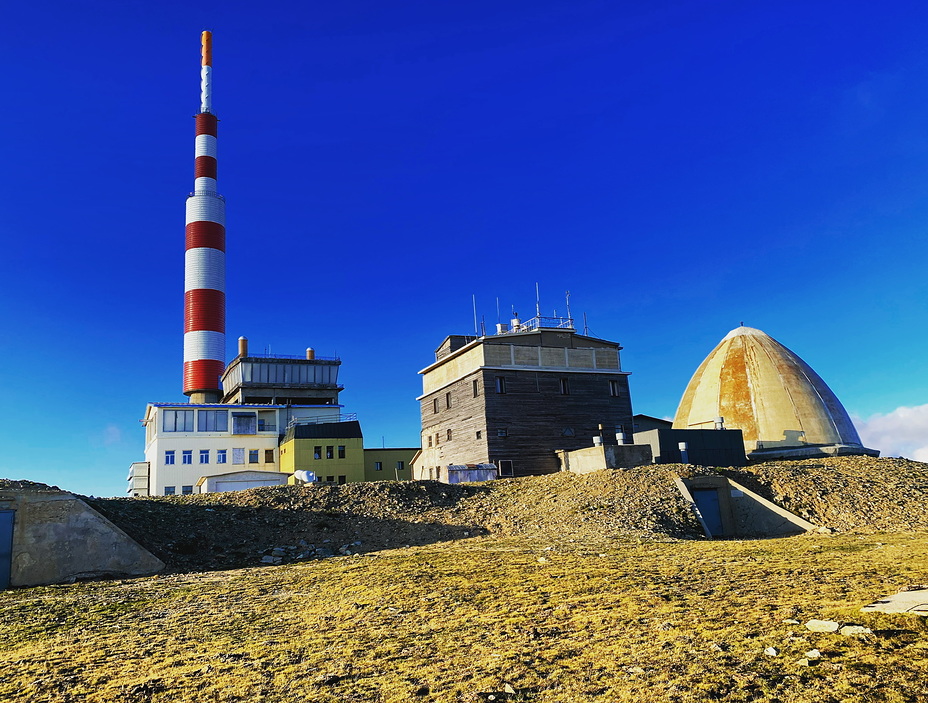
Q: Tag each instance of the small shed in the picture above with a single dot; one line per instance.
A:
(240, 480)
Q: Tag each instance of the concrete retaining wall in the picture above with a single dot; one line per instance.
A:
(57, 538)
(608, 456)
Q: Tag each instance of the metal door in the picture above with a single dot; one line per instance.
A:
(6, 546)
(707, 500)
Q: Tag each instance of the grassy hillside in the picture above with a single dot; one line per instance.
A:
(559, 588)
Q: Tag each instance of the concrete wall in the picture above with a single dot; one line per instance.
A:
(743, 512)
(57, 538)
(609, 456)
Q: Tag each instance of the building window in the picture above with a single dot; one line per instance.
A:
(220, 456)
(238, 455)
(244, 423)
(400, 466)
(378, 466)
(500, 384)
(169, 456)
(479, 434)
(448, 399)
(614, 388)
(502, 432)
(169, 490)
(341, 451)
(204, 456)
(437, 438)
(330, 452)
(342, 479)
(430, 440)
(186, 490)
(448, 437)
(565, 386)
(187, 456)
(268, 456)
(476, 388)
(434, 405)
(213, 421)
(252, 456)
(330, 479)
(177, 420)
(505, 467)
(317, 452)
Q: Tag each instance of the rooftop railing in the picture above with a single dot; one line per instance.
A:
(292, 356)
(345, 417)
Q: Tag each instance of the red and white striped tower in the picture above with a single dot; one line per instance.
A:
(205, 259)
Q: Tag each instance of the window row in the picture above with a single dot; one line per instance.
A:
(222, 456)
(436, 439)
(215, 421)
(378, 465)
(329, 451)
(172, 490)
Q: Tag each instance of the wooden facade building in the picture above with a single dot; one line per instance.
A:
(514, 398)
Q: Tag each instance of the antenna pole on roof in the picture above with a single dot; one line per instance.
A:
(497, 310)
(568, 308)
(476, 331)
(586, 328)
(537, 301)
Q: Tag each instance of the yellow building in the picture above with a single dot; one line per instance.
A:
(389, 464)
(333, 452)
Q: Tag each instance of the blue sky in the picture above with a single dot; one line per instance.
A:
(680, 167)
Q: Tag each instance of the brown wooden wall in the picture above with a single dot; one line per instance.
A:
(533, 412)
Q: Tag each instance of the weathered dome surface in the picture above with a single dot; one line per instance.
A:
(762, 388)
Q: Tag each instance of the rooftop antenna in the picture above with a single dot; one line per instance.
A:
(569, 320)
(537, 301)
(497, 310)
(586, 327)
(483, 326)
(476, 331)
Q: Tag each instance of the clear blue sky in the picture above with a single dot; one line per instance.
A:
(679, 167)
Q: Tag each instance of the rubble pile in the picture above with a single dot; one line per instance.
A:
(848, 493)
(282, 524)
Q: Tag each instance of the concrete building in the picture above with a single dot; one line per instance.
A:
(752, 383)
(512, 399)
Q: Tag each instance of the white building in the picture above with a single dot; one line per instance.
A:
(186, 442)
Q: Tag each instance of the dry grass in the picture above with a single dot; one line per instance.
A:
(515, 618)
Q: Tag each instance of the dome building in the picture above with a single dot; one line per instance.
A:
(753, 383)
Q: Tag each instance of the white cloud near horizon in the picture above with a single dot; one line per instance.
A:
(902, 432)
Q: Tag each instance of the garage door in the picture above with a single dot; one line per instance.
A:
(223, 486)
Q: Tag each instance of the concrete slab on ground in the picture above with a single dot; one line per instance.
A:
(913, 601)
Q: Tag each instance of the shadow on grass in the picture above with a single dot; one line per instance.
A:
(285, 524)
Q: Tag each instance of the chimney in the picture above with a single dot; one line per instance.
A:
(243, 346)
(205, 259)
(310, 353)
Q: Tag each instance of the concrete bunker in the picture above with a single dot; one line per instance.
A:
(728, 509)
(50, 536)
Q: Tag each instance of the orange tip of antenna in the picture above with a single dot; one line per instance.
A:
(206, 50)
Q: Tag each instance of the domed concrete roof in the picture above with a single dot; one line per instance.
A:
(762, 388)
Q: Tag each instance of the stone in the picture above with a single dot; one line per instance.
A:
(850, 630)
(267, 559)
(813, 654)
(790, 621)
(772, 652)
(822, 625)
(803, 662)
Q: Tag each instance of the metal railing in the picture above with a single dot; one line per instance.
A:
(547, 322)
(205, 192)
(292, 356)
(345, 417)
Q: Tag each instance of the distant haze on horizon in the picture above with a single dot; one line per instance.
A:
(679, 167)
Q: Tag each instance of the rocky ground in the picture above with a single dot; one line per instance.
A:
(285, 524)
